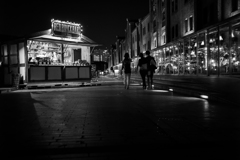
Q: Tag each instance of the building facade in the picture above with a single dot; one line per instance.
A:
(189, 37)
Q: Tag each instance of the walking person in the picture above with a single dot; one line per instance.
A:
(142, 64)
(126, 66)
(151, 69)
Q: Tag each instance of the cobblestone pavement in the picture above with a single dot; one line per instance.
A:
(108, 122)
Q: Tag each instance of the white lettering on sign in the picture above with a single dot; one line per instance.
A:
(66, 27)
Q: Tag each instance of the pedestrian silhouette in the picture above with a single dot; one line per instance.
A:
(126, 66)
(151, 63)
(142, 67)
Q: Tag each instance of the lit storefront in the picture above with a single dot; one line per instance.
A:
(61, 53)
(212, 51)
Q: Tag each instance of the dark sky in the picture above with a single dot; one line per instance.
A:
(102, 20)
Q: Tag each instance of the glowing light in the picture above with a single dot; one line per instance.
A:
(204, 96)
(220, 38)
(162, 91)
(195, 45)
(171, 90)
(202, 43)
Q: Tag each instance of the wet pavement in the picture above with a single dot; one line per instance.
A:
(109, 122)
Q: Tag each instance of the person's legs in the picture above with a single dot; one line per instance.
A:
(125, 80)
(143, 75)
(148, 79)
(151, 76)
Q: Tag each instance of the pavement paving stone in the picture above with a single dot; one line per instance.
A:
(105, 126)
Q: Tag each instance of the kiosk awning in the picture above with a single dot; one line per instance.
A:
(46, 36)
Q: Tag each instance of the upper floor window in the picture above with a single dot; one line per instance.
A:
(154, 25)
(176, 28)
(144, 30)
(186, 25)
(163, 15)
(234, 5)
(149, 45)
(191, 23)
(163, 3)
(174, 6)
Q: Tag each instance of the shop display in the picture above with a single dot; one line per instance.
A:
(44, 53)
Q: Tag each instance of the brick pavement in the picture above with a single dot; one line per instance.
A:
(108, 122)
(223, 89)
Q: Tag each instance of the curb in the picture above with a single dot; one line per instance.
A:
(62, 86)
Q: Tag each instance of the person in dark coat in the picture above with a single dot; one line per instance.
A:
(142, 64)
(126, 66)
(151, 63)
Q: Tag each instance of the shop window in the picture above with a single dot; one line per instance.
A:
(235, 50)
(191, 23)
(213, 48)
(224, 56)
(202, 54)
(186, 60)
(44, 53)
(180, 58)
(155, 42)
(193, 55)
(234, 5)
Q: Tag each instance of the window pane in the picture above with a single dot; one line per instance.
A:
(224, 50)
(191, 23)
(13, 59)
(235, 49)
(21, 53)
(213, 45)
(202, 54)
(5, 50)
(5, 60)
(13, 49)
(186, 25)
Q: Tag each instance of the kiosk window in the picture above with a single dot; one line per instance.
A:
(77, 55)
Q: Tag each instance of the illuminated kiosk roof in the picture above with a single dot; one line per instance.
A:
(46, 36)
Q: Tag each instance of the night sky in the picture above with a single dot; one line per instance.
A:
(102, 20)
